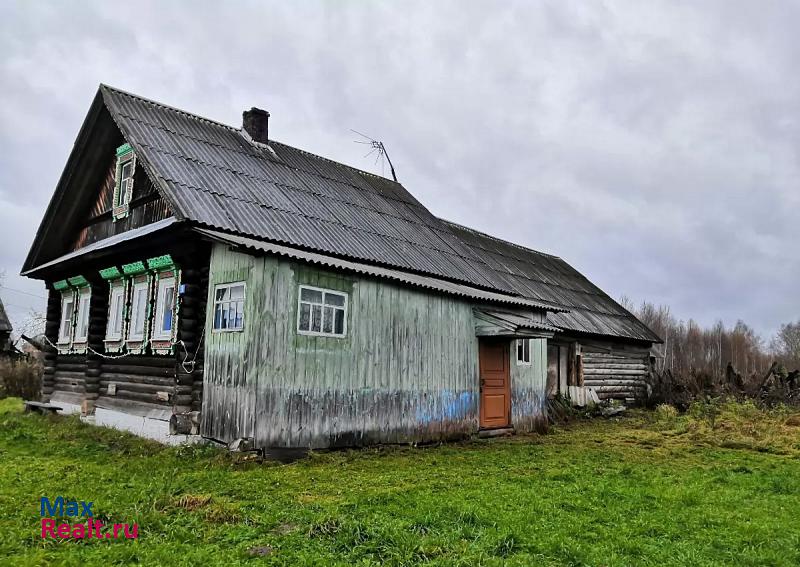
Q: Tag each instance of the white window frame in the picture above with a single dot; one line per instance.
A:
(526, 346)
(132, 336)
(83, 303)
(324, 291)
(65, 334)
(159, 334)
(216, 302)
(125, 183)
(117, 290)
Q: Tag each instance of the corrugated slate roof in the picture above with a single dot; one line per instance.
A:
(213, 175)
(410, 279)
(550, 279)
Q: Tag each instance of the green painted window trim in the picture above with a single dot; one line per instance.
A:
(164, 346)
(120, 205)
(78, 281)
(164, 262)
(134, 268)
(111, 273)
(60, 285)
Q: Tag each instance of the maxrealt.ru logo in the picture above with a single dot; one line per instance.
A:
(79, 509)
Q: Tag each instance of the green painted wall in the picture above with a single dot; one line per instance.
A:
(528, 386)
(406, 371)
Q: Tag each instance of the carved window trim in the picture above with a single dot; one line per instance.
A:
(123, 182)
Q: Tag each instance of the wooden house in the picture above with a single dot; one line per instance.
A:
(212, 278)
(5, 331)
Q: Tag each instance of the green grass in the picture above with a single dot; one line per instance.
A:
(653, 489)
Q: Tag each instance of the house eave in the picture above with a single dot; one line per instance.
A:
(102, 245)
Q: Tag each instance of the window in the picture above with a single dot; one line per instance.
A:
(82, 326)
(125, 182)
(321, 312)
(138, 311)
(123, 188)
(67, 308)
(523, 351)
(165, 307)
(116, 313)
(229, 307)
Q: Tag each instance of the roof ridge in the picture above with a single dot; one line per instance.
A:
(486, 234)
(354, 168)
(104, 86)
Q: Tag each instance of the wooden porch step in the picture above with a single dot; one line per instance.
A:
(504, 432)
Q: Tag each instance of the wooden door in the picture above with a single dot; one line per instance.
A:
(495, 410)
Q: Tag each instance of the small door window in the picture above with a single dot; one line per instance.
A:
(523, 351)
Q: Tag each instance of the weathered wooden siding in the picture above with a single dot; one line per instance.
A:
(528, 389)
(147, 206)
(406, 371)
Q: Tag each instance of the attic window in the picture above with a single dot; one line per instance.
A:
(123, 187)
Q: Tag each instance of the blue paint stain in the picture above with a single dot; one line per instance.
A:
(446, 406)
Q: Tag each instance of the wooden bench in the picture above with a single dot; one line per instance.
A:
(41, 407)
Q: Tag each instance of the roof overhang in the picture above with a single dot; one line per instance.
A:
(410, 279)
(105, 243)
(497, 323)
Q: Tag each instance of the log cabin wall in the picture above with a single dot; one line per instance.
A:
(69, 378)
(138, 384)
(620, 372)
(52, 315)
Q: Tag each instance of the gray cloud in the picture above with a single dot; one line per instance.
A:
(652, 145)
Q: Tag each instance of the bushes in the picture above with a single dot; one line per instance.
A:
(775, 387)
(20, 378)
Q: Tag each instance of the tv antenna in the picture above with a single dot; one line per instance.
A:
(377, 146)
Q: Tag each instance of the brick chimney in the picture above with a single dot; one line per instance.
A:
(256, 123)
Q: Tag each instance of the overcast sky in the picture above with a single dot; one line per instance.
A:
(654, 146)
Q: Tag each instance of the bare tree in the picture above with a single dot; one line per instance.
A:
(786, 343)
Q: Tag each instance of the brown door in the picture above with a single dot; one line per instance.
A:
(495, 388)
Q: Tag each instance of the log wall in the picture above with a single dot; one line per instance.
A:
(615, 373)
(142, 384)
(53, 319)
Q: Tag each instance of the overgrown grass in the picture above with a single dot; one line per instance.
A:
(653, 489)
